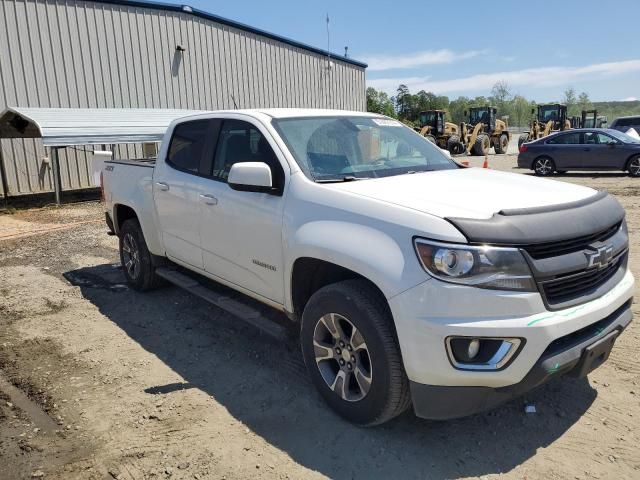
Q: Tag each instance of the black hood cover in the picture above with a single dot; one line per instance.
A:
(544, 224)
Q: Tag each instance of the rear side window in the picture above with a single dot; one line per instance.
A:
(566, 139)
(188, 145)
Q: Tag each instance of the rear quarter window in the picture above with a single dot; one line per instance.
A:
(187, 145)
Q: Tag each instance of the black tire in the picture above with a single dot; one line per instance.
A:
(367, 313)
(633, 166)
(482, 145)
(140, 273)
(524, 138)
(454, 145)
(543, 166)
(502, 144)
(430, 137)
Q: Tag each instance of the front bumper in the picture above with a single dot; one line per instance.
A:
(428, 313)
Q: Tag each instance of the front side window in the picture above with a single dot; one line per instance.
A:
(240, 141)
(344, 148)
(566, 139)
(188, 145)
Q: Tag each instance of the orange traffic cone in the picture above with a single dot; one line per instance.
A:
(486, 162)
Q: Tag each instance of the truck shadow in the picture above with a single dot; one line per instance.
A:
(263, 384)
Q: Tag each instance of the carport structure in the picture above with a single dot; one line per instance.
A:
(70, 127)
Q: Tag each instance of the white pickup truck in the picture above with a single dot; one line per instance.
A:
(413, 280)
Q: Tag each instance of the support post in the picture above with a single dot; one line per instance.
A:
(3, 178)
(55, 166)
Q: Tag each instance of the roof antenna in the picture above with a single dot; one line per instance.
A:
(328, 45)
(346, 52)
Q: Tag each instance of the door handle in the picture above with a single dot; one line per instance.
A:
(208, 199)
(162, 186)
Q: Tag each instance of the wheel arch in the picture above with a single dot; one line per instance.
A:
(628, 160)
(308, 275)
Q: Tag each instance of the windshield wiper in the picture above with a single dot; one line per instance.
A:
(347, 178)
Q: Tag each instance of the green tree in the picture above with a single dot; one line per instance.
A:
(584, 103)
(403, 101)
(570, 101)
(520, 111)
(379, 102)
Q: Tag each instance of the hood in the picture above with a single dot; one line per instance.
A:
(467, 192)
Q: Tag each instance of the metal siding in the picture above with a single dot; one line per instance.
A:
(72, 53)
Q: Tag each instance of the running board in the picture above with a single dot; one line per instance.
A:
(229, 305)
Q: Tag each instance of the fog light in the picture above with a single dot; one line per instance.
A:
(473, 348)
(469, 353)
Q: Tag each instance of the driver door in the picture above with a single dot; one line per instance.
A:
(241, 232)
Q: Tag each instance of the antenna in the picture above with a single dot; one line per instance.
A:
(346, 52)
(235, 105)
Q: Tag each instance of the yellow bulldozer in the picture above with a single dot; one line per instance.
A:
(436, 129)
(551, 117)
(484, 130)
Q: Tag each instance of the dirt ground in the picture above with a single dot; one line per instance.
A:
(98, 381)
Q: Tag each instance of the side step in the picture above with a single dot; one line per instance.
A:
(235, 307)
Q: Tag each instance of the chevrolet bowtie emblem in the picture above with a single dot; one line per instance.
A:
(601, 257)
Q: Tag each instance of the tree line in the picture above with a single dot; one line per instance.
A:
(406, 106)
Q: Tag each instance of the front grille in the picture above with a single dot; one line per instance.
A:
(575, 285)
(552, 249)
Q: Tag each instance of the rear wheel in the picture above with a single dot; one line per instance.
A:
(430, 137)
(136, 258)
(482, 145)
(543, 166)
(351, 353)
(633, 166)
(524, 138)
(502, 144)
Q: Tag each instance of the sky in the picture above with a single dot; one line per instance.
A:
(464, 47)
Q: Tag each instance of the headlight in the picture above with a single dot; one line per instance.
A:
(479, 266)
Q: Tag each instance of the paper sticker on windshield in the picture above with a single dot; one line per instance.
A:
(386, 122)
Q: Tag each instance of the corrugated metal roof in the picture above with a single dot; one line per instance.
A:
(232, 23)
(87, 126)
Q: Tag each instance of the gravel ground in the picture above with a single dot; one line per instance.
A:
(99, 381)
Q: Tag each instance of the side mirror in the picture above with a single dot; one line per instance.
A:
(250, 177)
(612, 143)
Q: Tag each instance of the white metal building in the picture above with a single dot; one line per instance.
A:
(120, 54)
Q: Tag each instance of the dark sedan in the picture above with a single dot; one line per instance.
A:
(582, 149)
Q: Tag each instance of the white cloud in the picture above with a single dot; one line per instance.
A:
(544, 76)
(630, 99)
(418, 59)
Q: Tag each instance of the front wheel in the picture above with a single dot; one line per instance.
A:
(136, 258)
(543, 166)
(482, 145)
(351, 353)
(633, 167)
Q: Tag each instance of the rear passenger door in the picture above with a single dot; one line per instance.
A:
(565, 150)
(178, 183)
(242, 231)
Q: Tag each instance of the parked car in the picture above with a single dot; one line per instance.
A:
(581, 149)
(625, 123)
(409, 278)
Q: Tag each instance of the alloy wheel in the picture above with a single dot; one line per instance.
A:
(634, 167)
(131, 256)
(544, 166)
(342, 357)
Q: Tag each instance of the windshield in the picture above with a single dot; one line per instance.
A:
(546, 114)
(349, 148)
(478, 116)
(623, 137)
(428, 118)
